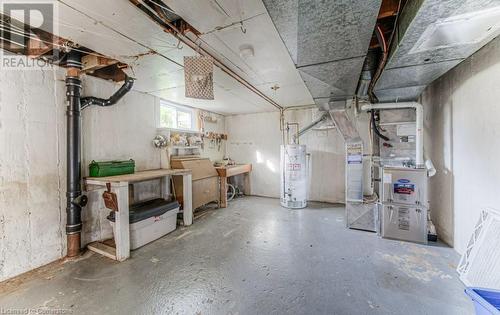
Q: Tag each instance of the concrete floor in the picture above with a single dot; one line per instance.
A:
(255, 258)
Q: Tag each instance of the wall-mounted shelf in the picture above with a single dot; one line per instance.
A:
(185, 147)
(172, 130)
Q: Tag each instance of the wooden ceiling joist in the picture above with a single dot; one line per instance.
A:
(388, 8)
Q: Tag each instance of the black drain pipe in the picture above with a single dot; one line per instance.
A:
(74, 198)
(87, 101)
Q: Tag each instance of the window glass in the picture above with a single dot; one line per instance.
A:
(184, 120)
(168, 117)
(177, 117)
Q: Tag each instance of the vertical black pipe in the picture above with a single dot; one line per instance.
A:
(73, 185)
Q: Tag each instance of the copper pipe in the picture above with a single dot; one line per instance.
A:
(380, 68)
(170, 28)
(385, 45)
(73, 245)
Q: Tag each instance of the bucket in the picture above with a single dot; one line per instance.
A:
(486, 301)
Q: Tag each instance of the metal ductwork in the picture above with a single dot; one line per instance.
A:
(328, 42)
(75, 200)
(369, 68)
(431, 38)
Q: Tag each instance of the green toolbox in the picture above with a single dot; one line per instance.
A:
(111, 168)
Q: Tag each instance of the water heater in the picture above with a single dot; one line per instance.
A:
(293, 176)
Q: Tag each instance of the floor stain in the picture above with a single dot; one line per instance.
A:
(416, 267)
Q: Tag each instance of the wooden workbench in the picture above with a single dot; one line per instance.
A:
(120, 185)
(233, 170)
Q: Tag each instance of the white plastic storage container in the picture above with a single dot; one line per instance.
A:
(149, 221)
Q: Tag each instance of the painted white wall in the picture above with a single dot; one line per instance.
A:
(32, 176)
(256, 139)
(33, 158)
(465, 130)
(210, 149)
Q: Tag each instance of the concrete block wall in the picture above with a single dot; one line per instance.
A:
(33, 161)
(463, 117)
(32, 164)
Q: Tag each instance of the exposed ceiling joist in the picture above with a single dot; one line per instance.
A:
(182, 35)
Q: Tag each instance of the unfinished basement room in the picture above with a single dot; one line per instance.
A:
(335, 157)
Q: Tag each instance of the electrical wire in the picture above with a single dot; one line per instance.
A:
(163, 7)
(385, 53)
(375, 128)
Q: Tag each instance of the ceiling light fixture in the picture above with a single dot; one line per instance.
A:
(246, 51)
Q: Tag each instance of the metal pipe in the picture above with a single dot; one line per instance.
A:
(296, 137)
(419, 110)
(75, 200)
(380, 68)
(73, 150)
(169, 27)
(310, 126)
(385, 45)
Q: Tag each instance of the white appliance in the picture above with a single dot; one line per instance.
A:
(293, 176)
(404, 204)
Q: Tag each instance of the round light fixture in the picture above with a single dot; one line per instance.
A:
(246, 51)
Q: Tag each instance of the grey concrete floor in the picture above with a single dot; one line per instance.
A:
(255, 257)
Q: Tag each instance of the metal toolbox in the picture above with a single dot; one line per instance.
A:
(111, 168)
(403, 222)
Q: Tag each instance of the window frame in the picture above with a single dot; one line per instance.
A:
(178, 108)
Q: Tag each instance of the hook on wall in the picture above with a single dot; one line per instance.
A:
(179, 46)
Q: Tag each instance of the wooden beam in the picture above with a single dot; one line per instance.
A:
(93, 62)
(388, 8)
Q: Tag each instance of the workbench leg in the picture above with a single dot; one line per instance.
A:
(223, 192)
(187, 202)
(246, 184)
(165, 187)
(122, 237)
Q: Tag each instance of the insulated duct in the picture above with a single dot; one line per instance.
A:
(327, 41)
(432, 37)
(75, 200)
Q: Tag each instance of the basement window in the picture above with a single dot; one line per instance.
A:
(174, 116)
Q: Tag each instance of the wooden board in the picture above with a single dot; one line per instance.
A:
(103, 249)
(204, 190)
(138, 176)
(232, 170)
(200, 168)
